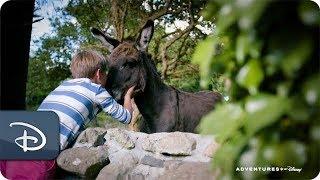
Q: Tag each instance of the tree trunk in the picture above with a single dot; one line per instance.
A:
(16, 25)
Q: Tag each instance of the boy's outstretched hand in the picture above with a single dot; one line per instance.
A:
(129, 93)
(127, 100)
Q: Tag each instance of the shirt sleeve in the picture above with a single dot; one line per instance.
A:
(110, 106)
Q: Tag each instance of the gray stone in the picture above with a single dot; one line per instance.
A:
(172, 164)
(136, 155)
(84, 161)
(121, 137)
(124, 159)
(135, 177)
(187, 170)
(176, 143)
(91, 137)
(110, 172)
(120, 164)
(151, 161)
(147, 172)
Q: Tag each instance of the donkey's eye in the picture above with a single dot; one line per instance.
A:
(127, 65)
(131, 64)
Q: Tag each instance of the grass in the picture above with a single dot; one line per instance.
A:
(105, 121)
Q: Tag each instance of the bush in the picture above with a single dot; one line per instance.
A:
(268, 55)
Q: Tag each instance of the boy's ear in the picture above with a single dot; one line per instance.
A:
(106, 40)
(145, 36)
(97, 73)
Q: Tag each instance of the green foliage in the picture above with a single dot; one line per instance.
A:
(311, 90)
(233, 116)
(202, 56)
(250, 76)
(270, 65)
(43, 78)
(263, 110)
(105, 121)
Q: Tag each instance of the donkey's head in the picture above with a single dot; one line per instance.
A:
(127, 61)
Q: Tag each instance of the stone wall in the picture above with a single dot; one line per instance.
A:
(121, 154)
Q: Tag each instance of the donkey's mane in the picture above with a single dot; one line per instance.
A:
(128, 50)
(125, 49)
(150, 65)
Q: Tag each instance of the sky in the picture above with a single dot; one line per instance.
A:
(46, 10)
(43, 27)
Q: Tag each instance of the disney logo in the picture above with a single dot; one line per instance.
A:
(290, 168)
(25, 137)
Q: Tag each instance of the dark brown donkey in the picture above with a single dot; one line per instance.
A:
(164, 108)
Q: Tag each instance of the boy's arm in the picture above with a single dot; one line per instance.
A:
(115, 110)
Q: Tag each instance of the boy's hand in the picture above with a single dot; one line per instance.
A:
(129, 93)
(127, 100)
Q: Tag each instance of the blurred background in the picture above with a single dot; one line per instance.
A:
(263, 56)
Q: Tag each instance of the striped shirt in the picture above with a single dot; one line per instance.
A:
(77, 102)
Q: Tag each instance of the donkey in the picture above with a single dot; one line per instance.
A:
(163, 108)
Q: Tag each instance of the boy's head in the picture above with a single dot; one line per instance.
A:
(89, 64)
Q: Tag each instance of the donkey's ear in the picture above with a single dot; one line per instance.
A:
(106, 40)
(145, 35)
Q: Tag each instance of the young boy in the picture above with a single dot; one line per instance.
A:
(76, 102)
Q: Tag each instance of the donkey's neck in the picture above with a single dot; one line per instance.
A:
(154, 97)
(150, 101)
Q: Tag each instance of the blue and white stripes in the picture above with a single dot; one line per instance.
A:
(76, 102)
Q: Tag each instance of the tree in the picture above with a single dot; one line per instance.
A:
(171, 50)
(124, 20)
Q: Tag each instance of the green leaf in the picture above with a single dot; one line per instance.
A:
(283, 88)
(255, 49)
(242, 47)
(296, 56)
(247, 44)
(227, 15)
(315, 133)
(263, 110)
(204, 51)
(288, 153)
(299, 110)
(226, 156)
(223, 121)
(250, 12)
(272, 62)
(253, 156)
(311, 90)
(202, 56)
(250, 76)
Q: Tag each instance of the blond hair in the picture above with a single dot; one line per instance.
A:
(85, 63)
